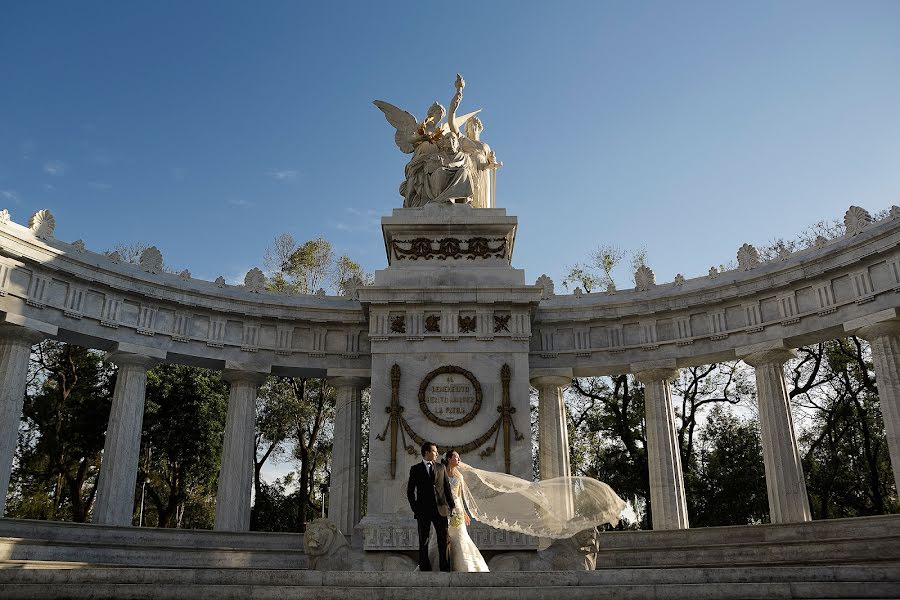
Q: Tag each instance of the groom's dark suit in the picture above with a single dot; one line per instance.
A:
(431, 501)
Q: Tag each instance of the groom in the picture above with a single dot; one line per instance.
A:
(430, 498)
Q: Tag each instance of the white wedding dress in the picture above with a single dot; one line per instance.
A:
(464, 554)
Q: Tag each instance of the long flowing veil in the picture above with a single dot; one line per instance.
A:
(555, 508)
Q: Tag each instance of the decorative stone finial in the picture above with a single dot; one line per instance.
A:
(820, 241)
(895, 212)
(4, 217)
(114, 256)
(713, 273)
(747, 257)
(350, 287)
(856, 220)
(578, 292)
(184, 275)
(784, 253)
(679, 280)
(320, 292)
(611, 288)
(546, 285)
(78, 245)
(644, 278)
(220, 281)
(151, 260)
(42, 223)
(255, 280)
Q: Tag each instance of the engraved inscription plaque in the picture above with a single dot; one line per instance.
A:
(450, 396)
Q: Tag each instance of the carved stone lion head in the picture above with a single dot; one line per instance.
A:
(319, 537)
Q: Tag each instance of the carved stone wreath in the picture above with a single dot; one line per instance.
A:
(433, 323)
(398, 324)
(471, 248)
(450, 370)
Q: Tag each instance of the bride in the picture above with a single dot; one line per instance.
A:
(554, 508)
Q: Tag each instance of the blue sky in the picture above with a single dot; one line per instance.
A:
(207, 128)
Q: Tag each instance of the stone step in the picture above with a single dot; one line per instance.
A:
(448, 590)
(35, 573)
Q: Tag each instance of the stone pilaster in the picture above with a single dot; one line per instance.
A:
(785, 485)
(15, 350)
(553, 433)
(884, 339)
(236, 471)
(119, 465)
(344, 489)
(668, 504)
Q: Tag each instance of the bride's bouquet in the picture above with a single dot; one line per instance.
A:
(456, 518)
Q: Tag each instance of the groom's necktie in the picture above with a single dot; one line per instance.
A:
(431, 471)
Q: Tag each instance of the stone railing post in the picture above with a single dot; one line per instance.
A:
(344, 489)
(236, 471)
(884, 339)
(121, 449)
(553, 433)
(785, 485)
(668, 503)
(15, 350)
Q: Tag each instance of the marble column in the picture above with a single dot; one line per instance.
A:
(668, 504)
(15, 350)
(119, 465)
(553, 433)
(785, 484)
(344, 488)
(884, 339)
(236, 472)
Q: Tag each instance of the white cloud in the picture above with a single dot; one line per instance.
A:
(242, 203)
(283, 174)
(28, 149)
(360, 220)
(9, 196)
(55, 168)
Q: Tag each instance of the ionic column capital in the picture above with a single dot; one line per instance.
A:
(22, 334)
(558, 377)
(769, 357)
(236, 376)
(879, 330)
(656, 375)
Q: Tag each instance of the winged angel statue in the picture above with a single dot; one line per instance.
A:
(447, 165)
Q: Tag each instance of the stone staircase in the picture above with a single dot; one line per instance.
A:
(844, 558)
(21, 582)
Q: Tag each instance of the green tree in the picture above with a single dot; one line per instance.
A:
(730, 487)
(184, 424)
(62, 434)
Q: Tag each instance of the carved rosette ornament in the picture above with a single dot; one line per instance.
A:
(644, 278)
(350, 287)
(747, 257)
(546, 285)
(4, 217)
(151, 260)
(679, 280)
(444, 248)
(42, 223)
(713, 273)
(433, 323)
(255, 280)
(856, 220)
